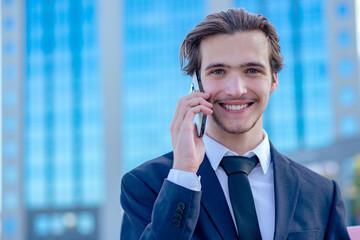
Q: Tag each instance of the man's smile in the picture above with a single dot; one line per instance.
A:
(235, 107)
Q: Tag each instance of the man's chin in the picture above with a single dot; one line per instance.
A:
(232, 129)
(235, 129)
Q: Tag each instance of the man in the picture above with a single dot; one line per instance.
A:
(191, 193)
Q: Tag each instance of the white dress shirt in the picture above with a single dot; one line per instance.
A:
(261, 181)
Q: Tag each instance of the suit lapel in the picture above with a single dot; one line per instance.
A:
(286, 182)
(214, 202)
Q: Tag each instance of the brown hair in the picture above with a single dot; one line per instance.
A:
(228, 22)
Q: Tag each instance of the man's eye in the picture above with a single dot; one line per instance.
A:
(253, 71)
(218, 71)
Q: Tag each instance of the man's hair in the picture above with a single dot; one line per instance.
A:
(228, 22)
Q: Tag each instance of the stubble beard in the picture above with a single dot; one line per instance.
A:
(239, 130)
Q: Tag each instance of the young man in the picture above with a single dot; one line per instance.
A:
(192, 193)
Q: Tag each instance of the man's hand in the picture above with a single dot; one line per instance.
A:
(188, 147)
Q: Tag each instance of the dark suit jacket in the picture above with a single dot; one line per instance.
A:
(307, 205)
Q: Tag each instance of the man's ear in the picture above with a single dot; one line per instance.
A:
(274, 83)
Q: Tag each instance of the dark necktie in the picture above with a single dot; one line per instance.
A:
(237, 168)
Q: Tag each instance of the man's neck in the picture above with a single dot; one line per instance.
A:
(238, 143)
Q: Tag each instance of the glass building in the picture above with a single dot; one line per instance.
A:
(62, 105)
(89, 89)
(53, 158)
(304, 109)
(152, 82)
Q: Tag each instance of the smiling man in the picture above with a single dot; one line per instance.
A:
(231, 183)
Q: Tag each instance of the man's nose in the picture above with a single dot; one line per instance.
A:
(235, 86)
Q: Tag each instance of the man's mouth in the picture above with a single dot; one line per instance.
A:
(235, 107)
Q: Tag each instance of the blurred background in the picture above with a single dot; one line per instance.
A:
(89, 87)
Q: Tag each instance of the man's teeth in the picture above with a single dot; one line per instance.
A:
(235, 107)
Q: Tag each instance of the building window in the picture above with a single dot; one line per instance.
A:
(345, 68)
(347, 96)
(10, 200)
(9, 226)
(344, 38)
(343, 10)
(348, 126)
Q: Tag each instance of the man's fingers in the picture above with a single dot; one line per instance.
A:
(192, 100)
(190, 114)
(204, 95)
(187, 102)
(187, 113)
(192, 103)
(178, 105)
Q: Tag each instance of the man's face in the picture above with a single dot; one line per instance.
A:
(235, 69)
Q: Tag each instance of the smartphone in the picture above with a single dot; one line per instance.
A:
(200, 118)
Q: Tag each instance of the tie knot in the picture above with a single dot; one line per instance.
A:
(238, 164)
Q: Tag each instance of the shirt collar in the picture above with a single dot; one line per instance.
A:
(216, 151)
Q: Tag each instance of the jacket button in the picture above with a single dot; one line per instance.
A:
(176, 223)
(180, 211)
(178, 217)
(181, 205)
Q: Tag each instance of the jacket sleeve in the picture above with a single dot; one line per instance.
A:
(336, 227)
(170, 214)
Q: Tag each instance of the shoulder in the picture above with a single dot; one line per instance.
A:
(151, 173)
(318, 199)
(155, 166)
(310, 177)
(315, 194)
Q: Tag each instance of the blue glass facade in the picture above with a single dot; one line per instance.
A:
(10, 171)
(152, 82)
(63, 147)
(299, 115)
(63, 129)
(300, 111)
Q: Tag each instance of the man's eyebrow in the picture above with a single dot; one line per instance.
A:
(252, 64)
(217, 65)
(244, 65)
